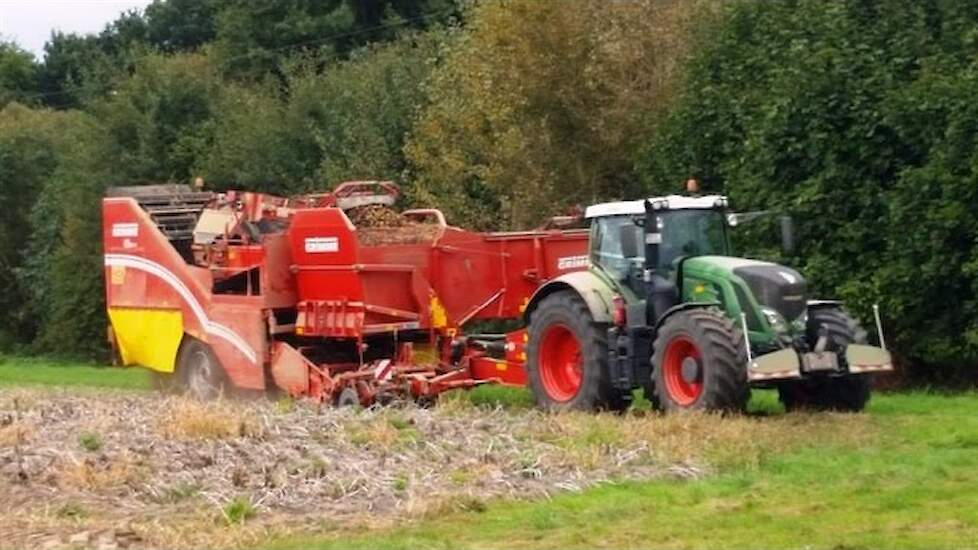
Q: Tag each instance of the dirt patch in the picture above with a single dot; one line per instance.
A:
(380, 225)
(111, 470)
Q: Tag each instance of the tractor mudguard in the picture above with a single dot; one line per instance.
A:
(682, 307)
(595, 293)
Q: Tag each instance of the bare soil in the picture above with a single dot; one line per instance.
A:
(86, 468)
(110, 470)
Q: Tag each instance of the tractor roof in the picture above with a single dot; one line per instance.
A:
(670, 202)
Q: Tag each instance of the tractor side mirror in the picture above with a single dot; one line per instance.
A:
(787, 234)
(629, 240)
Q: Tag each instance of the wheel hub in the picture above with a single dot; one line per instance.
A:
(682, 370)
(560, 363)
(692, 371)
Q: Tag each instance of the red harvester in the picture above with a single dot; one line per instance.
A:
(249, 291)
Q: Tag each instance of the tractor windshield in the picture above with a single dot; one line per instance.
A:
(695, 232)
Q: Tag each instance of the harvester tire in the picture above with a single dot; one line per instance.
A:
(348, 397)
(699, 362)
(567, 357)
(199, 372)
(163, 382)
(836, 393)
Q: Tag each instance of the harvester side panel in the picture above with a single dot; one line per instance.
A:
(147, 280)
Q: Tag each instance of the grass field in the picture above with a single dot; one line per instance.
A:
(46, 372)
(907, 477)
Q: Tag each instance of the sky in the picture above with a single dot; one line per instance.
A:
(29, 22)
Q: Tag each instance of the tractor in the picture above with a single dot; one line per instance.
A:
(663, 305)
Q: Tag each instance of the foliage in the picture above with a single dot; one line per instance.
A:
(538, 107)
(181, 25)
(159, 118)
(36, 147)
(343, 124)
(855, 118)
(255, 40)
(18, 74)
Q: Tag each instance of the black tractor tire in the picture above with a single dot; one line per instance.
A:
(848, 393)
(567, 357)
(699, 362)
(199, 372)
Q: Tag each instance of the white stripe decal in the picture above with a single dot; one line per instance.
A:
(168, 277)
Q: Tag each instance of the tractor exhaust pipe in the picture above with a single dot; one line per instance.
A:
(879, 325)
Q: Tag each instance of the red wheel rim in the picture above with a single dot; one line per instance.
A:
(678, 350)
(559, 362)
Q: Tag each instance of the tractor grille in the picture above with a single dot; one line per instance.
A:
(777, 287)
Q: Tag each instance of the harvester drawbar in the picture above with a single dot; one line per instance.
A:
(238, 290)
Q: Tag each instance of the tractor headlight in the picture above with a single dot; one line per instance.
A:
(775, 319)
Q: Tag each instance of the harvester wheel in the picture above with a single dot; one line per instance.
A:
(200, 373)
(348, 397)
(163, 382)
(699, 363)
(567, 357)
(840, 393)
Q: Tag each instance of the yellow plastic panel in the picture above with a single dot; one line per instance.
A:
(147, 337)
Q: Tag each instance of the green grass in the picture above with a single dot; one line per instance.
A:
(44, 372)
(238, 510)
(913, 486)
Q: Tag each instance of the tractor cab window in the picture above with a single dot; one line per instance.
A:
(697, 232)
(607, 249)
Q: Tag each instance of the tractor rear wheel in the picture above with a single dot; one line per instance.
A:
(200, 374)
(699, 363)
(567, 357)
(838, 393)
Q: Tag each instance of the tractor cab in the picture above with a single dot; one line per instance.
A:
(686, 227)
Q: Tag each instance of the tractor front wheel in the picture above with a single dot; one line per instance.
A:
(199, 372)
(567, 357)
(699, 363)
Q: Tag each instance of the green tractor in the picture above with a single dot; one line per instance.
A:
(663, 306)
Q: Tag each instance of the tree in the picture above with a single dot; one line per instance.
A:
(254, 41)
(159, 118)
(537, 106)
(35, 146)
(181, 25)
(346, 123)
(18, 74)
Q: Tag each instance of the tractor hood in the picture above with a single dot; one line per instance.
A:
(775, 286)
